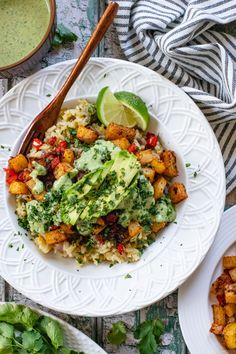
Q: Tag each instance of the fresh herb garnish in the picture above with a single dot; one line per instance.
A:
(117, 334)
(63, 35)
(128, 276)
(187, 164)
(22, 330)
(148, 333)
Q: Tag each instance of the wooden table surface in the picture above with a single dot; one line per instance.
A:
(81, 17)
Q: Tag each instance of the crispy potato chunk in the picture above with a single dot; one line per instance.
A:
(18, 188)
(145, 157)
(159, 186)
(42, 245)
(219, 315)
(115, 131)
(216, 329)
(61, 169)
(232, 274)
(123, 143)
(229, 334)
(177, 192)
(230, 309)
(55, 236)
(149, 173)
(18, 163)
(39, 197)
(217, 288)
(229, 262)
(230, 294)
(157, 226)
(30, 184)
(134, 229)
(158, 166)
(68, 156)
(86, 135)
(169, 160)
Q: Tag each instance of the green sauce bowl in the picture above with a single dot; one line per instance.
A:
(26, 34)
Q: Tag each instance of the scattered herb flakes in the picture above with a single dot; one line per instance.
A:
(48, 95)
(187, 164)
(127, 276)
(111, 265)
(148, 333)
(175, 222)
(196, 172)
(104, 75)
(2, 147)
(117, 334)
(10, 245)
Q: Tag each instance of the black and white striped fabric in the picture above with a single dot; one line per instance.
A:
(173, 37)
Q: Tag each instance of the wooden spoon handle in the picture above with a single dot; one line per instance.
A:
(100, 30)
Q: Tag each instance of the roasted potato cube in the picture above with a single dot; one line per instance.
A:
(159, 186)
(30, 184)
(42, 245)
(115, 131)
(157, 226)
(123, 143)
(177, 192)
(18, 163)
(100, 221)
(61, 169)
(232, 274)
(229, 333)
(218, 287)
(134, 229)
(230, 309)
(18, 188)
(230, 294)
(55, 236)
(68, 156)
(229, 262)
(158, 166)
(219, 315)
(39, 197)
(169, 160)
(149, 173)
(25, 175)
(86, 135)
(216, 329)
(145, 157)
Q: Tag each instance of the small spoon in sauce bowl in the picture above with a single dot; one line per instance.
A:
(49, 114)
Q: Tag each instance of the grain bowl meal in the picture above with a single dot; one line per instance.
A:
(99, 187)
(224, 312)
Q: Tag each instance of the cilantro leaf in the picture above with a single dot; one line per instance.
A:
(63, 35)
(117, 334)
(5, 345)
(149, 332)
(6, 330)
(69, 351)
(32, 341)
(53, 330)
(18, 314)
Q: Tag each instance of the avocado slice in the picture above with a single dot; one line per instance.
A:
(74, 198)
(121, 174)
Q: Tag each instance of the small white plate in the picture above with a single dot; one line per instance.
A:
(194, 300)
(74, 338)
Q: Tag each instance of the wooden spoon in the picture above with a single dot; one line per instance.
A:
(49, 114)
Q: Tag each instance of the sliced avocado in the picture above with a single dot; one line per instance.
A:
(124, 169)
(73, 201)
(39, 170)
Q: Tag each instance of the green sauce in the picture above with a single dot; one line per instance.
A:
(22, 26)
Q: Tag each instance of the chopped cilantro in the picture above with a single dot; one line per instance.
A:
(187, 164)
(127, 276)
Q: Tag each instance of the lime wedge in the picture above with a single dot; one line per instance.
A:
(123, 108)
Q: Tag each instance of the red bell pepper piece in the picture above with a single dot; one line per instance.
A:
(132, 148)
(55, 161)
(11, 175)
(37, 143)
(120, 248)
(151, 140)
(52, 140)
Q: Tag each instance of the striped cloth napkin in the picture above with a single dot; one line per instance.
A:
(173, 37)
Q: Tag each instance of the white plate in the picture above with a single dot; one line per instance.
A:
(100, 290)
(74, 338)
(194, 300)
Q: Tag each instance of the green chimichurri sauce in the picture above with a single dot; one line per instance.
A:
(22, 26)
